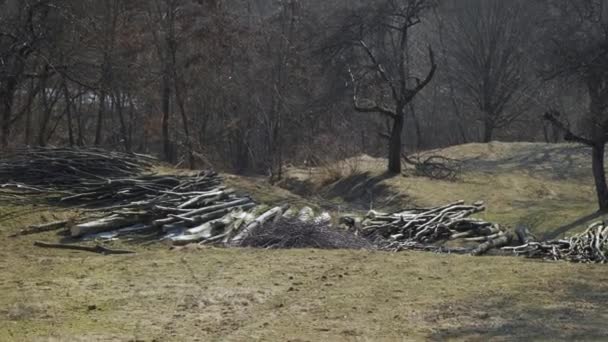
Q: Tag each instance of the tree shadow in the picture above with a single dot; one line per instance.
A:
(577, 314)
(359, 191)
(555, 161)
(365, 191)
(570, 226)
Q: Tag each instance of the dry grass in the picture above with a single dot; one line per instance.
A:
(518, 182)
(301, 295)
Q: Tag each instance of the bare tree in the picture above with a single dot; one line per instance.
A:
(579, 51)
(488, 42)
(23, 31)
(171, 17)
(381, 75)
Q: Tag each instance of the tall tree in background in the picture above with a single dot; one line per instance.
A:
(488, 42)
(172, 18)
(579, 51)
(381, 73)
(23, 33)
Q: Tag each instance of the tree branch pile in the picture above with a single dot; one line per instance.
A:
(427, 229)
(434, 167)
(61, 168)
(590, 246)
(122, 197)
(304, 231)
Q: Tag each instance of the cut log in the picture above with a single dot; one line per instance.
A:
(198, 220)
(113, 222)
(306, 214)
(524, 235)
(267, 216)
(496, 243)
(324, 218)
(214, 194)
(204, 210)
(197, 234)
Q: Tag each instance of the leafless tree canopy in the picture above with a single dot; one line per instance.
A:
(248, 86)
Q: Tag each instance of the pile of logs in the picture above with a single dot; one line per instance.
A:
(427, 229)
(119, 195)
(184, 208)
(587, 247)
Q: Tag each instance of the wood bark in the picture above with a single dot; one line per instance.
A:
(395, 145)
(7, 97)
(599, 175)
(100, 117)
(103, 225)
(68, 109)
(275, 212)
(166, 106)
(488, 129)
(495, 243)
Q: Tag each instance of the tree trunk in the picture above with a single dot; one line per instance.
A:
(6, 109)
(79, 122)
(68, 109)
(419, 136)
(100, 117)
(599, 175)
(118, 100)
(488, 132)
(28, 128)
(46, 114)
(185, 122)
(166, 98)
(394, 151)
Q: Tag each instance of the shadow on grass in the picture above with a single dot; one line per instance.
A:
(570, 226)
(361, 191)
(578, 314)
(555, 161)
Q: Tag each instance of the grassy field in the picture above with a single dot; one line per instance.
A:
(548, 187)
(209, 294)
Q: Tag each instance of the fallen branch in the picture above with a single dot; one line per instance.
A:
(42, 228)
(97, 249)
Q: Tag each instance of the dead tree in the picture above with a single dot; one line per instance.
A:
(579, 51)
(378, 37)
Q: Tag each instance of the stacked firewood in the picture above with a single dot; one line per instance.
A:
(589, 246)
(426, 229)
(159, 204)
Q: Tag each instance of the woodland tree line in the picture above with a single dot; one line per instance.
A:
(251, 85)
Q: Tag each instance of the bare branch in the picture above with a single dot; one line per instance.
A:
(428, 77)
(372, 107)
(379, 68)
(568, 135)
